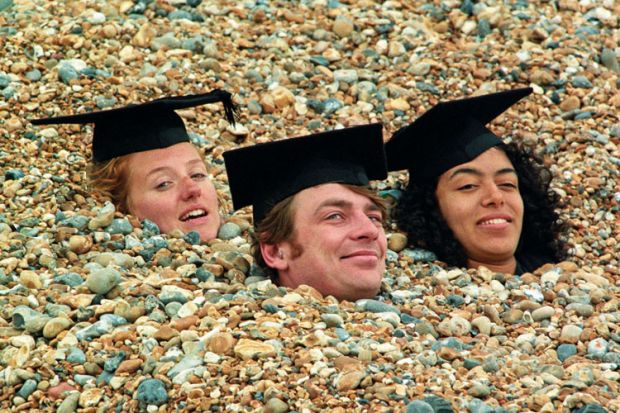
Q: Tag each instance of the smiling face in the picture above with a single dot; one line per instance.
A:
(171, 187)
(481, 204)
(338, 244)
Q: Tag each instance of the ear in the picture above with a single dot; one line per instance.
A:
(273, 256)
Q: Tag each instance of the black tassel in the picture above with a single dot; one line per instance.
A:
(230, 109)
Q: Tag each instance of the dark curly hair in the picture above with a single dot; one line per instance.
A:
(418, 214)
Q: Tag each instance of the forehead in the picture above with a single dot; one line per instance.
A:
(178, 154)
(310, 199)
(489, 161)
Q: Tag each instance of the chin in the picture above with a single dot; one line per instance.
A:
(368, 282)
(503, 252)
(369, 292)
(208, 234)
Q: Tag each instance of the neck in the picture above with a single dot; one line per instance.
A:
(507, 266)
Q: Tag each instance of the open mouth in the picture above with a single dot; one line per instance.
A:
(194, 214)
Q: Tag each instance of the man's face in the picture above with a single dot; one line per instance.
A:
(338, 244)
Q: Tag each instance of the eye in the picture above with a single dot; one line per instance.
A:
(466, 187)
(163, 185)
(199, 176)
(377, 218)
(335, 216)
(509, 185)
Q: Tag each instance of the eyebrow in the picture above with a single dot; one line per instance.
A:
(477, 172)
(163, 168)
(341, 203)
(195, 161)
(156, 170)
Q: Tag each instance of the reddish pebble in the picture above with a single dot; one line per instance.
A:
(129, 366)
(56, 392)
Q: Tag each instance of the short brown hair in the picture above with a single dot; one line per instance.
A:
(110, 179)
(277, 226)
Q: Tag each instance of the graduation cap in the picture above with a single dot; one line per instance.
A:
(448, 134)
(141, 127)
(264, 174)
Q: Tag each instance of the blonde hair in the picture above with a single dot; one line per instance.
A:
(110, 179)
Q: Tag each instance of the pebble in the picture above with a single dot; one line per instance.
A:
(479, 390)
(59, 391)
(103, 280)
(55, 326)
(543, 313)
(346, 75)
(67, 73)
(439, 405)
(27, 389)
(581, 82)
(96, 304)
(397, 242)
(249, 349)
(565, 351)
(90, 397)
(120, 226)
(221, 343)
(570, 104)
(375, 306)
(597, 348)
(30, 279)
(21, 341)
(343, 26)
(152, 391)
(454, 326)
(610, 60)
(187, 363)
(229, 231)
(275, 405)
(76, 355)
(570, 333)
(70, 403)
(584, 310)
(332, 320)
(419, 406)
(482, 324)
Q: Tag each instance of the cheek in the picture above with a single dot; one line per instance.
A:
(519, 207)
(314, 243)
(383, 241)
(453, 210)
(146, 205)
(210, 194)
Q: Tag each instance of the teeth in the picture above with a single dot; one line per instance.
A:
(193, 214)
(494, 221)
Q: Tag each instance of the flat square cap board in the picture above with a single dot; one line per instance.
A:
(141, 127)
(264, 174)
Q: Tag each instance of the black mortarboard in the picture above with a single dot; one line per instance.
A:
(264, 174)
(449, 134)
(141, 127)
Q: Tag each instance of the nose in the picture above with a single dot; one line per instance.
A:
(493, 196)
(189, 189)
(365, 228)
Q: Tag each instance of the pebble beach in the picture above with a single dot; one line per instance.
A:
(100, 312)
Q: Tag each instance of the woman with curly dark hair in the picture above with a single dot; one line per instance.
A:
(472, 199)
